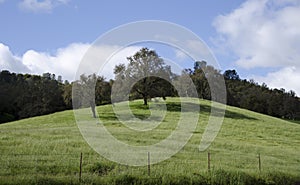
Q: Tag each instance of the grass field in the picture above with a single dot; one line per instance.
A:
(46, 150)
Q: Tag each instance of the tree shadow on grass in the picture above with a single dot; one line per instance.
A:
(176, 107)
(188, 107)
(113, 117)
(108, 116)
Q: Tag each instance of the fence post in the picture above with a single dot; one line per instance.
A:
(208, 161)
(259, 162)
(148, 163)
(36, 169)
(80, 167)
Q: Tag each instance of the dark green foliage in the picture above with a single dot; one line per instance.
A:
(204, 78)
(259, 98)
(29, 95)
(231, 75)
(246, 94)
(5, 117)
(23, 96)
(67, 95)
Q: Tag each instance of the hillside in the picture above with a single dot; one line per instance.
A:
(47, 149)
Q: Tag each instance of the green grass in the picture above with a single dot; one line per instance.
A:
(46, 150)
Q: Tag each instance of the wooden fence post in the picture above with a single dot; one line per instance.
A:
(80, 167)
(148, 163)
(208, 161)
(259, 162)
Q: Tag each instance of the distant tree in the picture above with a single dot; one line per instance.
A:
(202, 72)
(67, 95)
(52, 97)
(119, 83)
(102, 91)
(184, 84)
(150, 72)
(89, 91)
(231, 75)
(59, 79)
(87, 88)
(66, 82)
(200, 65)
(291, 107)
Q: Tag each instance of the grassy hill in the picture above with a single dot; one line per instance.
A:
(47, 149)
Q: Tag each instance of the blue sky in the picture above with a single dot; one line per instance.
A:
(81, 21)
(259, 38)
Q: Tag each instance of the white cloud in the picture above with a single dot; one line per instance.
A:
(45, 6)
(102, 59)
(284, 78)
(264, 33)
(10, 62)
(65, 61)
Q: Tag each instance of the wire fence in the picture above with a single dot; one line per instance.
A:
(74, 167)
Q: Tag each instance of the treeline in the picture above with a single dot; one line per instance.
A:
(248, 94)
(259, 98)
(26, 95)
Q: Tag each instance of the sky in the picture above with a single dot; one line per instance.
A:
(258, 38)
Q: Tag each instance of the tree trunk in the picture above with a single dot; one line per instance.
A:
(92, 104)
(145, 100)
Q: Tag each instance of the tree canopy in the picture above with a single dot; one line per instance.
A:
(146, 74)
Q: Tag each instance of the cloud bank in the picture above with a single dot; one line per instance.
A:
(265, 34)
(64, 61)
